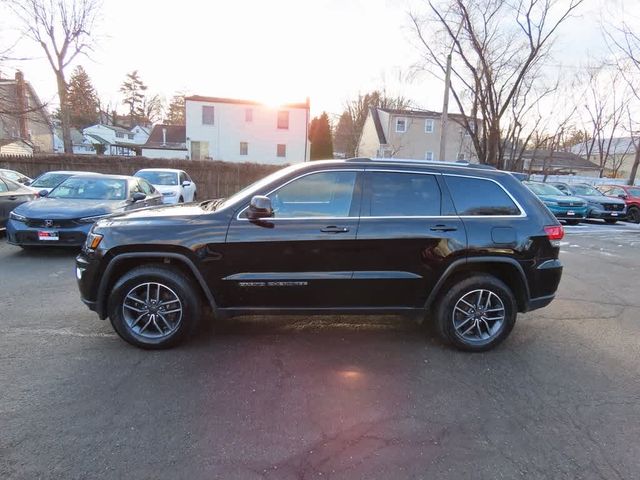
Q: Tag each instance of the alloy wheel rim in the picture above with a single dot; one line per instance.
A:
(152, 310)
(478, 316)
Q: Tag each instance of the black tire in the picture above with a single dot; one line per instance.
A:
(634, 215)
(181, 200)
(175, 282)
(459, 288)
(610, 221)
(572, 222)
(195, 196)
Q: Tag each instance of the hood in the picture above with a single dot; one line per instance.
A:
(560, 198)
(58, 209)
(169, 213)
(602, 199)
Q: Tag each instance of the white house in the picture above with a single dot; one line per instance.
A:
(246, 131)
(116, 140)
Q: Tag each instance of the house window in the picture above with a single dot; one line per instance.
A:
(281, 150)
(429, 125)
(248, 115)
(244, 148)
(119, 135)
(283, 119)
(401, 125)
(460, 157)
(130, 135)
(428, 156)
(208, 115)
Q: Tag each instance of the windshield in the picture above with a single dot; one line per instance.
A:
(11, 175)
(585, 190)
(80, 188)
(634, 192)
(256, 186)
(543, 189)
(50, 180)
(159, 178)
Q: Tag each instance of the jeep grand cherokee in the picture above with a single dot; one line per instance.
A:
(465, 246)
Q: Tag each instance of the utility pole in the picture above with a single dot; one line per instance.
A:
(445, 112)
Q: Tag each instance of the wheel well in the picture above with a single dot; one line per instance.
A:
(126, 264)
(506, 272)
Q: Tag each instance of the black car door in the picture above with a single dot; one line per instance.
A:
(302, 257)
(4, 204)
(407, 237)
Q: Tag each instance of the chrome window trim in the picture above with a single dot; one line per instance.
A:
(522, 214)
(270, 219)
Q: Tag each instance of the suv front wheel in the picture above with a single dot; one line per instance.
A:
(477, 313)
(154, 307)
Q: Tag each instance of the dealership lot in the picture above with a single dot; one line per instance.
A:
(325, 398)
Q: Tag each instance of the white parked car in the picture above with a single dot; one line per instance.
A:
(176, 186)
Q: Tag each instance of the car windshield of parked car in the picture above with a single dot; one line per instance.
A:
(79, 188)
(585, 190)
(634, 192)
(543, 189)
(159, 178)
(11, 175)
(50, 180)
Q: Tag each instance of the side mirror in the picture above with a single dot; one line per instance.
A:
(138, 196)
(43, 193)
(260, 207)
(26, 183)
(186, 183)
(623, 196)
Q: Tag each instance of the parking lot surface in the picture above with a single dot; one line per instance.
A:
(340, 397)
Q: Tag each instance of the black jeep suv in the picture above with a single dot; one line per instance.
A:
(470, 246)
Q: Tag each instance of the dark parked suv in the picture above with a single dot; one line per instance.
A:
(466, 246)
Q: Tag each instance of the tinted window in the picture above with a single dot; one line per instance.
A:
(147, 188)
(403, 194)
(183, 177)
(155, 177)
(3, 187)
(474, 196)
(585, 190)
(11, 185)
(326, 194)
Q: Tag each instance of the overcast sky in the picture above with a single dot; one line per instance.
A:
(276, 51)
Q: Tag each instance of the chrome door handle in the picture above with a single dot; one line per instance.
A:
(443, 228)
(334, 229)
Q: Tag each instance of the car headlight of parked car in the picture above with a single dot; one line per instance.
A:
(17, 217)
(93, 240)
(169, 194)
(551, 203)
(596, 205)
(93, 219)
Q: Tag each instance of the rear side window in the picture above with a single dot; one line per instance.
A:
(475, 196)
(395, 194)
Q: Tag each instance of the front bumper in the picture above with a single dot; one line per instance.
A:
(607, 214)
(88, 278)
(568, 213)
(167, 200)
(19, 233)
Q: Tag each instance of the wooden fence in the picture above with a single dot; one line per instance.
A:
(214, 179)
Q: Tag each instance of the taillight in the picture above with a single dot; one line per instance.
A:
(554, 232)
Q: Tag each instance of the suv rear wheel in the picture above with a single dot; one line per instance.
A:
(477, 313)
(154, 307)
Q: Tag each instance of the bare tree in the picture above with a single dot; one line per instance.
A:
(624, 43)
(497, 46)
(63, 29)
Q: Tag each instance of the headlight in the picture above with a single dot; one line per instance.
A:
(17, 217)
(92, 219)
(551, 203)
(597, 205)
(93, 240)
(169, 194)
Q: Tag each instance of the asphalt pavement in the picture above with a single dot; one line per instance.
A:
(337, 397)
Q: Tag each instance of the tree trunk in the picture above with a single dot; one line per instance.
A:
(634, 168)
(493, 142)
(64, 112)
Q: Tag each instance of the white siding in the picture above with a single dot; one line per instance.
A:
(16, 148)
(262, 133)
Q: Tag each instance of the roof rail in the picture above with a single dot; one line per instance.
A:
(458, 163)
